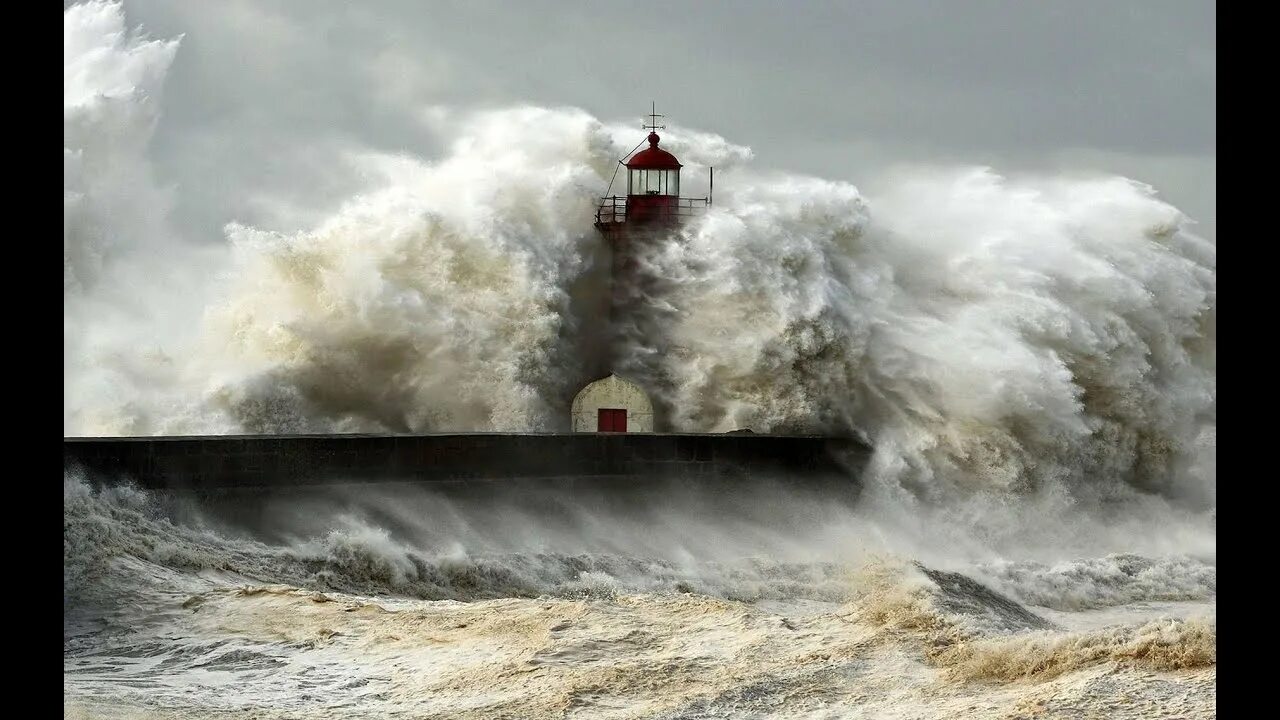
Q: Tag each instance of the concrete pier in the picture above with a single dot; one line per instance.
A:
(263, 461)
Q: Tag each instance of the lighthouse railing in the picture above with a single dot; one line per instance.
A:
(613, 209)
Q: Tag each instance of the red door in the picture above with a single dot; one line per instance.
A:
(611, 420)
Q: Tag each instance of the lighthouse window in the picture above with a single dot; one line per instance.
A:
(653, 182)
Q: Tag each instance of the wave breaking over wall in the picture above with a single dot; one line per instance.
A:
(1042, 335)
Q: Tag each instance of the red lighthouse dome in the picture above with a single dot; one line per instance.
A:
(654, 157)
(652, 172)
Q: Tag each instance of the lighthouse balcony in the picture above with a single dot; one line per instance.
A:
(645, 209)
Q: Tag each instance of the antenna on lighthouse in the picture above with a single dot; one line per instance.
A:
(653, 118)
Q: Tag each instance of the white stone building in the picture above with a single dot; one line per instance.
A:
(612, 404)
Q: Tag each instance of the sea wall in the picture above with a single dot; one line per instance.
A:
(269, 461)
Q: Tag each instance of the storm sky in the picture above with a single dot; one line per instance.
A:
(265, 97)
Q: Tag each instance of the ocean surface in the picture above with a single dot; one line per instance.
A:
(169, 612)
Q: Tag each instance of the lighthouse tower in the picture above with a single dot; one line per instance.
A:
(651, 209)
(652, 204)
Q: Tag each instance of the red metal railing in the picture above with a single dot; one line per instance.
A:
(613, 209)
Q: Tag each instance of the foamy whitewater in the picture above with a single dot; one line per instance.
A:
(1032, 358)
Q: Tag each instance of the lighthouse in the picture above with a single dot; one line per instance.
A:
(652, 208)
(652, 204)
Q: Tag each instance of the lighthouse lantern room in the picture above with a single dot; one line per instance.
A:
(653, 190)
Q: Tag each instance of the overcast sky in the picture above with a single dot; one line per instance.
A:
(263, 95)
